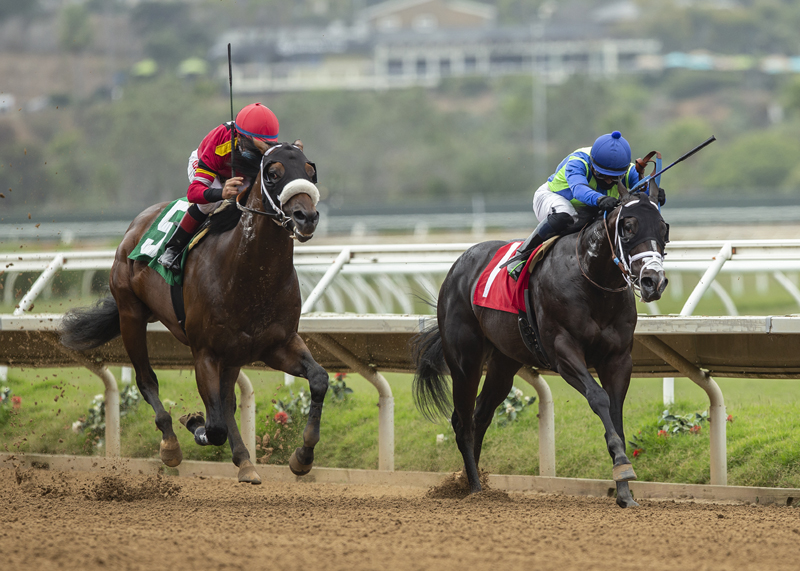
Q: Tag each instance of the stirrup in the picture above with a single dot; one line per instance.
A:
(516, 270)
(171, 259)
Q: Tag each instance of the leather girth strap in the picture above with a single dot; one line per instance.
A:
(176, 293)
(529, 330)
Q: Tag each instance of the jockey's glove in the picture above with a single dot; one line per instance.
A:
(607, 203)
(662, 197)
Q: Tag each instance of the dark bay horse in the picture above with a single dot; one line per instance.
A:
(242, 304)
(585, 308)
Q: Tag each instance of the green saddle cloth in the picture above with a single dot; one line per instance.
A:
(154, 241)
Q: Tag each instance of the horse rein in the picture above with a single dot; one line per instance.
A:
(279, 217)
(619, 264)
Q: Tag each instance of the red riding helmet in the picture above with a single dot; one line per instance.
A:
(256, 120)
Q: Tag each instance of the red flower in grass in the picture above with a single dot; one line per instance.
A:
(16, 402)
(281, 417)
(695, 429)
(730, 418)
(637, 452)
(663, 433)
(340, 376)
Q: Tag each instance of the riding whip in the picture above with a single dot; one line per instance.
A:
(230, 89)
(683, 157)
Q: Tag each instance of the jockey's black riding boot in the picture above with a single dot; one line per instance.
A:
(171, 258)
(554, 224)
(517, 261)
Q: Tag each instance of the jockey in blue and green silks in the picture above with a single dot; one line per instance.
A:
(586, 177)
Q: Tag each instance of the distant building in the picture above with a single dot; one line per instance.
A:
(402, 43)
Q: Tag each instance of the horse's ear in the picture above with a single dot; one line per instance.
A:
(652, 190)
(311, 171)
(623, 192)
(299, 144)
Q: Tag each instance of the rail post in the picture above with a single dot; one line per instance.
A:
(40, 284)
(247, 405)
(385, 398)
(717, 414)
(547, 430)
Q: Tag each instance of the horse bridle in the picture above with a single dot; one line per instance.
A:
(653, 258)
(277, 215)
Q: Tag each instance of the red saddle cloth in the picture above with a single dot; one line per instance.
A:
(496, 289)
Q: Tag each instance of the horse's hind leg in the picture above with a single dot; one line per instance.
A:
(615, 376)
(463, 351)
(500, 373)
(295, 358)
(133, 325)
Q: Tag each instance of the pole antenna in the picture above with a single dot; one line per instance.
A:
(233, 124)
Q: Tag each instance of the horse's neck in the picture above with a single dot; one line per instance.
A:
(262, 242)
(596, 255)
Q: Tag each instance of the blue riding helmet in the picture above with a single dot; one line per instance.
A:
(611, 154)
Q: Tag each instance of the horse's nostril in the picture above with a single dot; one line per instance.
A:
(300, 216)
(648, 283)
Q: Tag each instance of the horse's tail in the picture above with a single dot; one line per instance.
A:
(431, 394)
(85, 328)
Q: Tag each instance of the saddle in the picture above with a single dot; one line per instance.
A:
(496, 289)
(526, 320)
(153, 243)
(176, 289)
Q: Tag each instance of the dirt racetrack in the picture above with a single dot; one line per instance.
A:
(112, 520)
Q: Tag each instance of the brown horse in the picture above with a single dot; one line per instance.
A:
(242, 305)
(586, 312)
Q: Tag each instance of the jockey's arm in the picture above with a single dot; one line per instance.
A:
(200, 191)
(577, 173)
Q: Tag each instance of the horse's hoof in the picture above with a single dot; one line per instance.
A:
(296, 467)
(627, 502)
(624, 473)
(248, 474)
(170, 451)
(192, 421)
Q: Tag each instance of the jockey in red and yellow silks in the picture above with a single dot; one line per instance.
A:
(210, 176)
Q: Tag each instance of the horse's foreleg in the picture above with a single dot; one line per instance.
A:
(208, 375)
(241, 456)
(295, 358)
(571, 366)
(615, 376)
(133, 325)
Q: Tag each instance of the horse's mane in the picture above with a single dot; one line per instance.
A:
(224, 220)
(248, 161)
(592, 214)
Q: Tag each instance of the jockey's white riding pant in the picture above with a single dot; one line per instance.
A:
(546, 202)
(211, 206)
